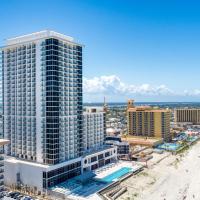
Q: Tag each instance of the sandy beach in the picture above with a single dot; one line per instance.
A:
(174, 177)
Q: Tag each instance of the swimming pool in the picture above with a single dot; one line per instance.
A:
(169, 146)
(192, 138)
(116, 175)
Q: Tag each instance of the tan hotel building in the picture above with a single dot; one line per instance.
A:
(187, 116)
(148, 122)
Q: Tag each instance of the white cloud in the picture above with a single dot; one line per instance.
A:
(113, 85)
(195, 92)
(116, 90)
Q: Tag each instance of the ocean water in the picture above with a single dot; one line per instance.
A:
(159, 104)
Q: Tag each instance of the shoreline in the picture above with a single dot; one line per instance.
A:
(176, 177)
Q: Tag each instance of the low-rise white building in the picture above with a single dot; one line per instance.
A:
(93, 128)
(99, 158)
(41, 176)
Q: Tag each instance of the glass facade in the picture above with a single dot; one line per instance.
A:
(61, 174)
(58, 64)
(62, 99)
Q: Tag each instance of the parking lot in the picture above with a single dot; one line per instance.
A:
(17, 196)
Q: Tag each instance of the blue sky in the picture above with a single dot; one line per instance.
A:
(147, 50)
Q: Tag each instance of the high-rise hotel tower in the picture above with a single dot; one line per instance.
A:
(42, 84)
(148, 122)
(42, 109)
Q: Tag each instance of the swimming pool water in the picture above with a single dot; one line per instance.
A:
(117, 174)
(192, 138)
(169, 146)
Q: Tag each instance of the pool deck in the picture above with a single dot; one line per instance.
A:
(90, 190)
(113, 167)
(169, 146)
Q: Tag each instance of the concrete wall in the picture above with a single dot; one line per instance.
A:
(29, 174)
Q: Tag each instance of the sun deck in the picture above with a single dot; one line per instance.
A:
(112, 172)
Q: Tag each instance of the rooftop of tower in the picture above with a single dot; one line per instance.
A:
(146, 109)
(37, 36)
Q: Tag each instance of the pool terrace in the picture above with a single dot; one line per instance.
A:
(180, 142)
(169, 146)
(105, 177)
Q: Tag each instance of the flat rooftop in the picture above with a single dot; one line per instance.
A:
(14, 160)
(37, 36)
(46, 167)
(102, 148)
(185, 109)
(146, 109)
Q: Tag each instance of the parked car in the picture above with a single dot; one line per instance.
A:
(26, 198)
(15, 195)
(20, 197)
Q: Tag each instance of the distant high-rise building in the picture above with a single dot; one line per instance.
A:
(148, 122)
(43, 111)
(105, 106)
(187, 116)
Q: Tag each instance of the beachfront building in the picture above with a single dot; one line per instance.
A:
(42, 101)
(43, 111)
(148, 122)
(186, 116)
(96, 154)
(123, 147)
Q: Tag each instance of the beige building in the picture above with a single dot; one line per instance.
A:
(148, 122)
(187, 116)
